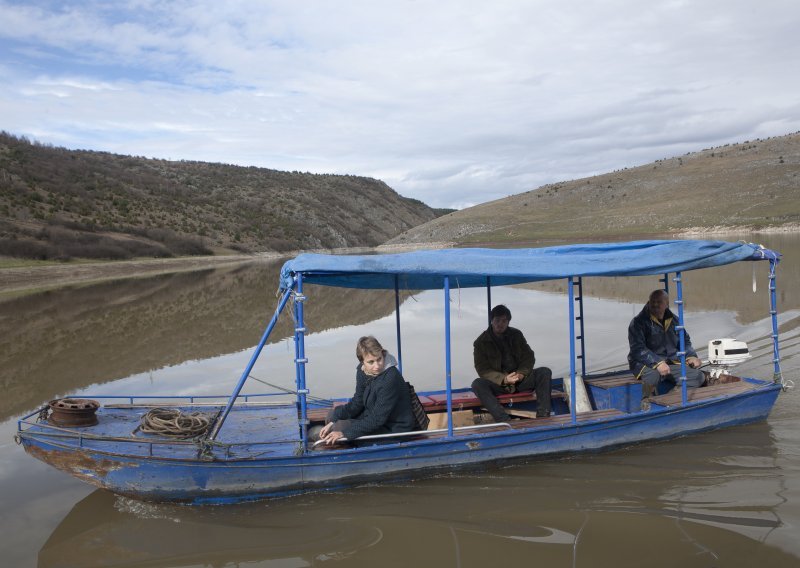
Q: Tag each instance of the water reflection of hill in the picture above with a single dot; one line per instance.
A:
(58, 341)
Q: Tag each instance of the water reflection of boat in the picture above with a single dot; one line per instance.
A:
(103, 530)
(467, 520)
(255, 449)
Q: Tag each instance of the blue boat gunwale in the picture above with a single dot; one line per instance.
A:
(450, 448)
(50, 432)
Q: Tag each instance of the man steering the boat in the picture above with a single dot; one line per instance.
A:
(504, 362)
(654, 345)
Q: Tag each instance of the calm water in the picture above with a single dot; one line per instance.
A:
(728, 498)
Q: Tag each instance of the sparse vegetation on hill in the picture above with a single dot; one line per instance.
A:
(753, 185)
(59, 203)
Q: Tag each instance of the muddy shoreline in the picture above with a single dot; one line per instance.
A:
(17, 281)
(23, 280)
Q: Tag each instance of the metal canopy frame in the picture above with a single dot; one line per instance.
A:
(296, 291)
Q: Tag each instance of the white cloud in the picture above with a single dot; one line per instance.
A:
(451, 102)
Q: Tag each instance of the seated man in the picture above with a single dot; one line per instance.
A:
(654, 345)
(504, 362)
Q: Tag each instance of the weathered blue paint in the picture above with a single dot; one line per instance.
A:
(625, 398)
(681, 334)
(572, 399)
(397, 323)
(579, 299)
(447, 361)
(300, 360)
(773, 311)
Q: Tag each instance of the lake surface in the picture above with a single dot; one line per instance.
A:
(726, 498)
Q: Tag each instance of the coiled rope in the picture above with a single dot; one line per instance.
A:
(173, 422)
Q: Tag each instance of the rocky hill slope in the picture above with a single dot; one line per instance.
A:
(748, 186)
(59, 203)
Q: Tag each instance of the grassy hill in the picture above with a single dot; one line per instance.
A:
(748, 186)
(59, 203)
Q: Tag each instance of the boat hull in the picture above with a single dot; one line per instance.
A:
(182, 474)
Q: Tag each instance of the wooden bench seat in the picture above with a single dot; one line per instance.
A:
(674, 397)
(614, 381)
(468, 399)
(538, 422)
(461, 400)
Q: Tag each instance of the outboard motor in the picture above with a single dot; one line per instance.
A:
(724, 354)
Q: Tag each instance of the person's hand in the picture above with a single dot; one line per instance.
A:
(331, 438)
(513, 378)
(693, 362)
(325, 430)
(663, 369)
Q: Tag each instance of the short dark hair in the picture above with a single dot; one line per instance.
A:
(368, 345)
(499, 311)
(659, 292)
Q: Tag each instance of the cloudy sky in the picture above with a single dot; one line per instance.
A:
(454, 102)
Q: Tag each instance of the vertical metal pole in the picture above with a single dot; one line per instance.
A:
(300, 360)
(681, 334)
(582, 356)
(777, 375)
(447, 365)
(665, 281)
(572, 401)
(238, 388)
(397, 322)
(489, 299)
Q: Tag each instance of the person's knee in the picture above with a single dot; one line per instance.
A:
(478, 384)
(695, 378)
(651, 378)
(653, 381)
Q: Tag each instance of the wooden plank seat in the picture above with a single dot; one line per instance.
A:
(559, 419)
(468, 399)
(613, 381)
(462, 400)
(628, 379)
(674, 397)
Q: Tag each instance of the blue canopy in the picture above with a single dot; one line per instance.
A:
(470, 267)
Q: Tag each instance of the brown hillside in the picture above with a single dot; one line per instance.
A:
(752, 185)
(58, 203)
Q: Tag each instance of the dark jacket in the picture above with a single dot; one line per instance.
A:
(380, 405)
(651, 342)
(489, 359)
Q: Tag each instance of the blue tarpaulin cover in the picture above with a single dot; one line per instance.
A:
(469, 267)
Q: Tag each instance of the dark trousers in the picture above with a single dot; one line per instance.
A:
(650, 378)
(538, 380)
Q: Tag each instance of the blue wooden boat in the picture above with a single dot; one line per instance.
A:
(252, 446)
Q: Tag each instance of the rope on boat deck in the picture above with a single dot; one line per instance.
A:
(173, 422)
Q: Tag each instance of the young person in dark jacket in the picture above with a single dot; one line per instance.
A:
(381, 403)
(654, 345)
(504, 362)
